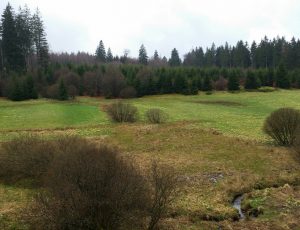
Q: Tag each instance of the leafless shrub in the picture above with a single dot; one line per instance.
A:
(165, 189)
(122, 112)
(282, 124)
(156, 116)
(92, 187)
(128, 92)
(26, 157)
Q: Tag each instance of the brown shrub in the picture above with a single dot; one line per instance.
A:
(26, 157)
(122, 112)
(128, 92)
(221, 84)
(282, 124)
(164, 191)
(113, 82)
(156, 116)
(92, 187)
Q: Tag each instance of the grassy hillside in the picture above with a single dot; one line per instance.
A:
(214, 166)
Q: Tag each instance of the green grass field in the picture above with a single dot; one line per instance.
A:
(214, 141)
(239, 114)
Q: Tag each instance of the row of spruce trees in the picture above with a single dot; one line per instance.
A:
(28, 71)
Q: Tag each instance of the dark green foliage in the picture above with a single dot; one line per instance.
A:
(282, 126)
(122, 112)
(233, 83)
(252, 81)
(16, 90)
(175, 59)
(156, 116)
(143, 57)
(62, 91)
(29, 90)
(110, 56)
(100, 52)
(13, 59)
(207, 84)
(282, 77)
(40, 41)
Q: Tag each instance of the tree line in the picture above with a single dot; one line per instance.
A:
(23, 43)
(29, 71)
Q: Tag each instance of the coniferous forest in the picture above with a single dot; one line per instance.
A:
(28, 69)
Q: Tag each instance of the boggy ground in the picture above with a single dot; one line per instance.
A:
(212, 167)
(214, 142)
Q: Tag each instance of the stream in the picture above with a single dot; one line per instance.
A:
(237, 203)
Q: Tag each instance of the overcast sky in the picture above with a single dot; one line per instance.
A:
(73, 25)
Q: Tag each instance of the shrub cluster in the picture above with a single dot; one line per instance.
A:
(156, 116)
(87, 186)
(122, 112)
(282, 126)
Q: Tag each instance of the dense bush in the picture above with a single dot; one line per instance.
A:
(113, 82)
(156, 116)
(87, 186)
(122, 112)
(25, 158)
(92, 187)
(282, 124)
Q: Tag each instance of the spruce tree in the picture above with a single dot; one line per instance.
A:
(233, 82)
(63, 93)
(156, 56)
(252, 81)
(282, 77)
(29, 90)
(15, 90)
(12, 54)
(207, 84)
(25, 36)
(110, 56)
(100, 52)
(143, 57)
(40, 41)
(174, 60)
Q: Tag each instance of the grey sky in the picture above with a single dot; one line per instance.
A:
(73, 25)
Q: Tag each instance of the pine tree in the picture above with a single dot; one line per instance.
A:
(40, 41)
(29, 90)
(233, 82)
(174, 60)
(100, 52)
(282, 77)
(252, 81)
(25, 36)
(143, 57)
(110, 56)
(207, 84)
(15, 90)
(63, 93)
(12, 54)
(156, 56)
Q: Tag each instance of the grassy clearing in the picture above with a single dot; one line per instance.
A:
(214, 166)
(240, 114)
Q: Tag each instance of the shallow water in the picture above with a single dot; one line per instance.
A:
(237, 205)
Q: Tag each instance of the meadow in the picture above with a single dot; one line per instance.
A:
(215, 142)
